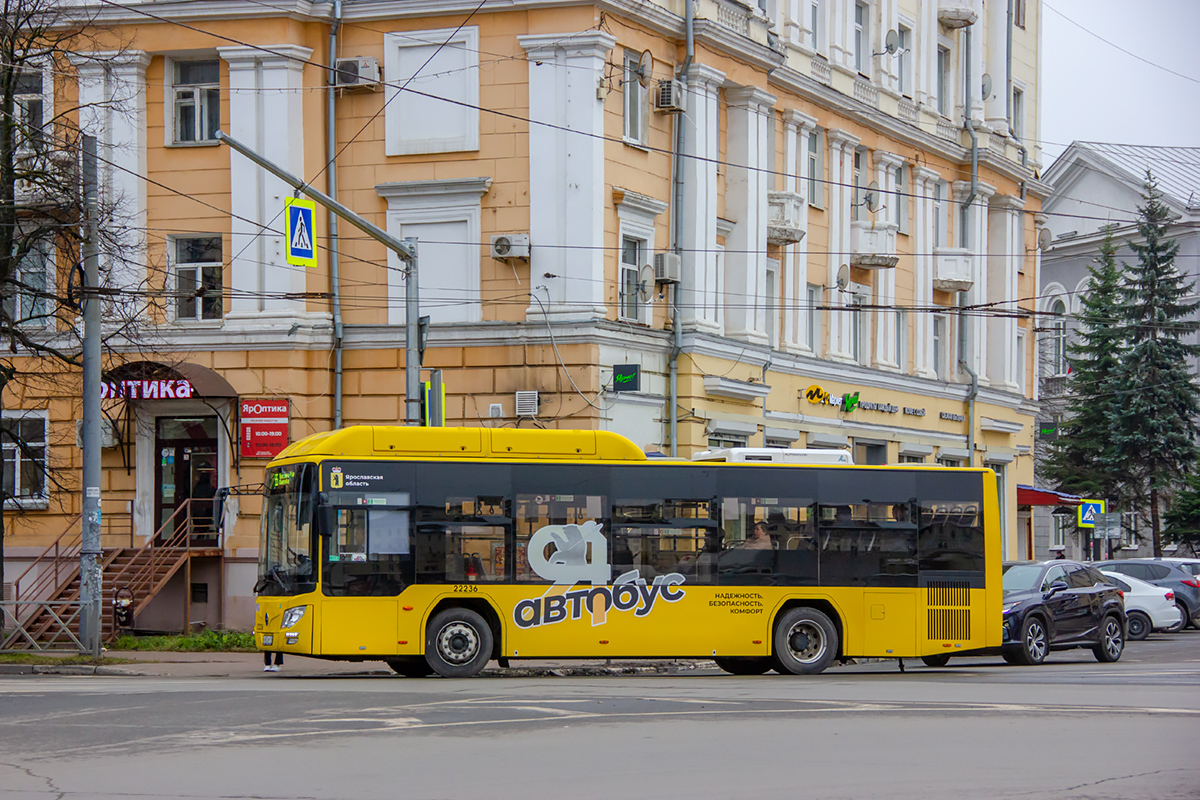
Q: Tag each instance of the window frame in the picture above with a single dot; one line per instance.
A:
(816, 169)
(1019, 13)
(44, 99)
(814, 295)
(863, 55)
(201, 268)
(940, 331)
(903, 209)
(7, 445)
(904, 73)
(943, 80)
(28, 311)
(1058, 338)
(202, 101)
(815, 18)
(623, 267)
(1017, 121)
(636, 99)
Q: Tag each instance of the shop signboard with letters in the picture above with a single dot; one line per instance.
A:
(265, 427)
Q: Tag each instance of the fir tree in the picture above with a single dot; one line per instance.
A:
(1183, 518)
(1080, 461)
(1155, 420)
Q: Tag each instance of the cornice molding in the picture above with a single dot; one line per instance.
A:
(585, 43)
(407, 190)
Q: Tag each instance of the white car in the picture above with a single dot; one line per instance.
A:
(1147, 607)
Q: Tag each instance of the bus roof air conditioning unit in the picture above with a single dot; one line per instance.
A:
(667, 267)
(669, 96)
(358, 73)
(527, 404)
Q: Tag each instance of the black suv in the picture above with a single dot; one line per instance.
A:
(1054, 605)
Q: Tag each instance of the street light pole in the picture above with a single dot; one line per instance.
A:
(90, 589)
(406, 249)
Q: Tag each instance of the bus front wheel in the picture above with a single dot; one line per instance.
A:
(458, 643)
(806, 642)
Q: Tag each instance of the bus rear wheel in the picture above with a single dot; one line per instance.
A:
(736, 665)
(939, 660)
(458, 643)
(806, 642)
(410, 666)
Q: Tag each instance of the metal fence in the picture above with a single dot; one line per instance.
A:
(57, 621)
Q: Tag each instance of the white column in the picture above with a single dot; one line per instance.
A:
(699, 299)
(841, 175)
(266, 113)
(925, 57)
(1039, 222)
(1004, 254)
(112, 107)
(746, 188)
(841, 36)
(977, 243)
(923, 180)
(888, 20)
(978, 42)
(995, 105)
(885, 279)
(797, 127)
(566, 170)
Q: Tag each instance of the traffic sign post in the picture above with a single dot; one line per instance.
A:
(1088, 510)
(300, 233)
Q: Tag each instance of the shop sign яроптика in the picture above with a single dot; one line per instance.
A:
(265, 427)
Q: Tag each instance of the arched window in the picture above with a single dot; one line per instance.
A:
(1058, 334)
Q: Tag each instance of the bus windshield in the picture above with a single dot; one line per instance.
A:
(286, 546)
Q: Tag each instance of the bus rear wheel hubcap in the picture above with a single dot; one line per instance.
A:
(806, 641)
(458, 643)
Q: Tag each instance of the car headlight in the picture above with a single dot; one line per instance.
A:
(292, 616)
(1007, 608)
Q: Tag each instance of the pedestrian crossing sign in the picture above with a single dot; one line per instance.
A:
(1088, 511)
(300, 235)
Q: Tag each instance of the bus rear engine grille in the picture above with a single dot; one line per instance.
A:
(949, 623)
(949, 593)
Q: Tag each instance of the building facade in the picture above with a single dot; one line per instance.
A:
(808, 224)
(1096, 186)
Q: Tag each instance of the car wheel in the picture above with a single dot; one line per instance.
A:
(410, 666)
(1112, 640)
(940, 660)
(1178, 626)
(1035, 642)
(1188, 619)
(458, 643)
(1138, 626)
(806, 642)
(745, 666)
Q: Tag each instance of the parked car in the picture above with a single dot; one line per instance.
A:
(1168, 575)
(1147, 607)
(1192, 565)
(1054, 605)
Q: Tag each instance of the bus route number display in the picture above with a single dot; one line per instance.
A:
(265, 426)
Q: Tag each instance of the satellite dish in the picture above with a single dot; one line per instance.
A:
(843, 276)
(892, 42)
(645, 68)
(872, 198)
(987, 86)
(646, 283)
(1044, 238)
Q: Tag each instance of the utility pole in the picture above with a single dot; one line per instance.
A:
(406, 249)
(90, 591)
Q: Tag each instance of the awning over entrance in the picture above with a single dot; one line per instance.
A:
(1034, 496)
(150, 380)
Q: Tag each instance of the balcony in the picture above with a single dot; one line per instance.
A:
(873, 245)
(952, 269)
(785, 217)
(956, 13)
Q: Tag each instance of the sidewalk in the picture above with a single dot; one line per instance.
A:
(242, 665)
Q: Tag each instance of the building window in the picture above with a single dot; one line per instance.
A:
(771, 302)
(860, 158)
(1129, 535)
(816, 188)
(23, 438)
(815, 21)
(198, 282)
(197, 101)
(862, 39)
(813, 295)
(904, 61)
(1020, 357)
(964, 225)
(901, 199)
(1018, 113)
(860, 326)
(941, 220)
(631, 261)
(912, 459)
(1058, 534)
(29, 103)
(943, 81)
(1058, 337)
(635, 100)
(719, 440)
(1019, 13)
(949, 462)
(26, 300)
(941, 334)
(901, 343)
(778, 444)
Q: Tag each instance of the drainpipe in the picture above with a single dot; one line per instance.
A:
(334, 267)
(677, 233)
(1008, 82)
(970, 410)
(970, 123)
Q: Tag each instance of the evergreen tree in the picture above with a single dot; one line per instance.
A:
(1080, 461)
(1155, 420)
(1183, 518)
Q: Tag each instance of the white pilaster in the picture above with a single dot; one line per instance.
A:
(747, 180)
(885, 279)
(888, 20)
(566, 170)
(266, 112)
(112, 107)
(797, 127)
(996, 105)
(699, 292)
(925, 57)
(977, 242)
(923, 180)
(1004, 254)
(978, 42)
(841, 175)
(841, 36)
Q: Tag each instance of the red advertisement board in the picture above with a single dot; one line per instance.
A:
(265, 427)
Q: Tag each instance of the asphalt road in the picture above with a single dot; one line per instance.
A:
(1072, 728)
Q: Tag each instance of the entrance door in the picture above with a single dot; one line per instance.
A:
(185, 466)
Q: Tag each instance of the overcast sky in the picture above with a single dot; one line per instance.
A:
(1094, 92)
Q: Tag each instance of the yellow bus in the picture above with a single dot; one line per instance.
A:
(440, 549)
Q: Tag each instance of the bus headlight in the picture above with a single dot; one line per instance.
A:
(292, 616)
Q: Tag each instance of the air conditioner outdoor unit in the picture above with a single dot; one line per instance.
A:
(667, 267)
(358, 73)
(510, 245)
(527, 404)
(669, 96)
